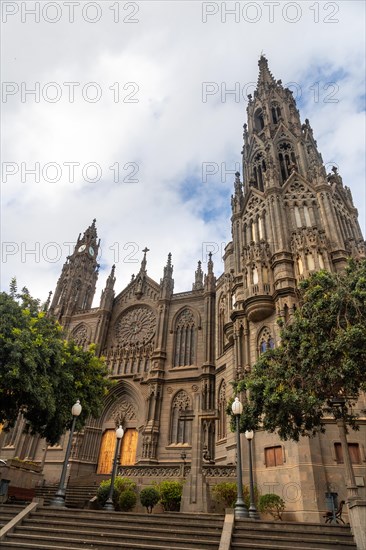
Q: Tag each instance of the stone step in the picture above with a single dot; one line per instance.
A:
(8, 512)
(321, 543)
(35, 522)
(47, 546)
(294, 533)
(100, 543)
(269, 546)
(285, 535)
(171, 518)
(298, 527)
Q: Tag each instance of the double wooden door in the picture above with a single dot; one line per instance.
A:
(108, 446)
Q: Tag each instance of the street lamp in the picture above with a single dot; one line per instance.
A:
(240, 510)
(59, 498)
(109, 503)
(249, 434)
(338, 406)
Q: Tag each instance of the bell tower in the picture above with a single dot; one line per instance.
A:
(289, 217)
(76, 285)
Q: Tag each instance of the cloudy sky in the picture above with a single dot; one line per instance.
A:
(123, 112)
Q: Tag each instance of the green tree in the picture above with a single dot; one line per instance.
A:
(41, 373)
(322, 356)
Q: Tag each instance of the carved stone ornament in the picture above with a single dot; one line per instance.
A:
(123, 411)
(181, 401)
(80, 335)
(136, 326)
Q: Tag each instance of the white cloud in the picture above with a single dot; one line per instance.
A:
(169, 133)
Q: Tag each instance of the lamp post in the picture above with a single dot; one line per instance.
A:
(249, 434)
(59, 498)
(240, 510)
(338, 405)
(109, 503)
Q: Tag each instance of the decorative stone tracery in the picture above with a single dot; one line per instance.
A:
(81, 335)
(136, 327)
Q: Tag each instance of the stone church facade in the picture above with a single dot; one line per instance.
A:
(174, 355)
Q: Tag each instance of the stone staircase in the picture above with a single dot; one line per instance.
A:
(63, 529)
(284, 535)
(76, 496)
(8, 512)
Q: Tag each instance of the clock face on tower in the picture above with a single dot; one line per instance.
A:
(82, 248)
(91, 251)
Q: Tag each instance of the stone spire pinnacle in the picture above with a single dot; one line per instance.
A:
(108, 293)
(210, 279)
(167, 282)
(111, 278)
(237, 198)
(198, 278)
(265, 75)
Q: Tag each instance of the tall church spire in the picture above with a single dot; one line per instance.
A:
(76, 286)
(293, 218)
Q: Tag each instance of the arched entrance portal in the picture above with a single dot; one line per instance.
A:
(123, 408)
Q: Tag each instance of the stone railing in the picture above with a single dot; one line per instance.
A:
(219, 471)
(154, 471)
(175, 471)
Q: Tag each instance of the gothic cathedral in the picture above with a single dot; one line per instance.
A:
(174, 355)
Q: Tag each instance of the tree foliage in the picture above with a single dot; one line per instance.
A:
(322, 356)
(41, 373)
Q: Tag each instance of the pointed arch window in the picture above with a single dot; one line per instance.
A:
(185, 339)
(258, 171)
(81, 335)
(221, 408)
(265, 340)
(221, 323)
(297, 216)
(181, 419)
(287, 159)
(300, 265)
(320, 260)
(259, 120)
(307, 216)
(260, 228)
(276, 113)
(310, 261)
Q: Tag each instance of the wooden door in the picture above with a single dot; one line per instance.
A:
(128, 450)
(106, 454)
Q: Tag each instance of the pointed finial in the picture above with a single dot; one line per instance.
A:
(111, 278)
(144, 261)
(48, 301)
(210, 263)
(265, 75)
(198, 277)
(167, 282)
(210, 280)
